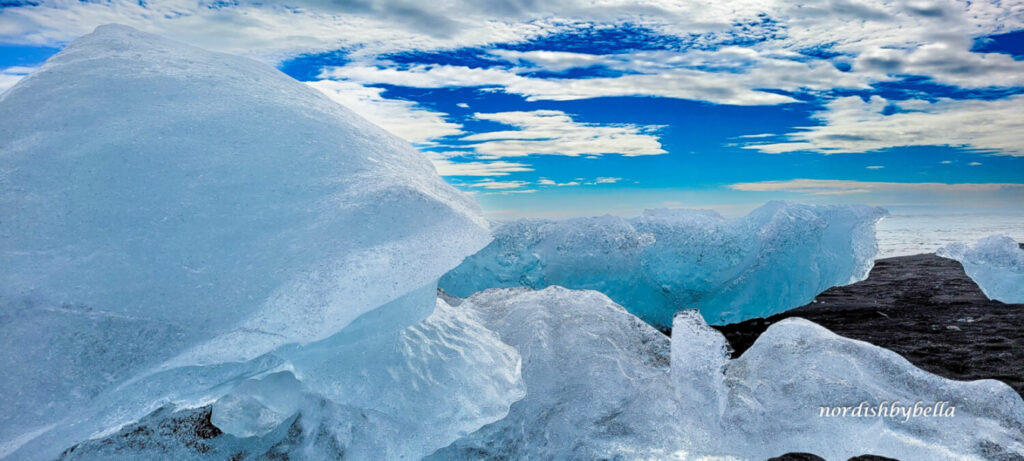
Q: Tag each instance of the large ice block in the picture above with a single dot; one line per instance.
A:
(778, 257)
(176, 222)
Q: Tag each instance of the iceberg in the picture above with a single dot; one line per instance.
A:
(995, 263)
(183, 228)
(778, 257)
(602, 384)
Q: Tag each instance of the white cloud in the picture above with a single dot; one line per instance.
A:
(578, 182)
(974, 164)
(875, 167)
(946, 162)
(446, 167)
(12, 75)
(405, 119)
(840, 187)
(463, 105)
(949, 63)
(851, 125)
(492, 184)
(274, 30)
(881, 38)
(730, 75)
(550, 132)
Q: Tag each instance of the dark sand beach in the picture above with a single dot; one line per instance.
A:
(923, 307)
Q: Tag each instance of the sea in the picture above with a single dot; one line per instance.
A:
(909, 234)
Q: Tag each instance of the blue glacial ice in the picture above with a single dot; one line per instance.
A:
(602, 384)
(995, 263)
(779, 256)
(180, 226)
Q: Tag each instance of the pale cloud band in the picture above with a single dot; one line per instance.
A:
(842, 187)
(551, 132)
(852, 125)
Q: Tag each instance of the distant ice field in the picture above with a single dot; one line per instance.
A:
(908, 234)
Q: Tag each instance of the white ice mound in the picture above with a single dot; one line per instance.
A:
(176, 222)
(778, 257)
(995, 263)
(597, 380)
(778, 386)
(598, 386)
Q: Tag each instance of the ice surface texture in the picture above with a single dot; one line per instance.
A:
(995, 263)
(597, 380)
(598, 386)
(176, 222)
(777, 257)
(400, 401)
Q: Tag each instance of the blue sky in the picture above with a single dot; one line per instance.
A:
(571, 109)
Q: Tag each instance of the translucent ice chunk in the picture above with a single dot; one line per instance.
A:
(777, 257)
(597, 380)
(258, 406)
(177, 221)
(995, 263)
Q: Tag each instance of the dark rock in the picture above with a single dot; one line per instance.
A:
(797, 457)
(871, 458)
(923, 307)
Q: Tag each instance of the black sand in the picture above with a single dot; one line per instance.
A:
(923, 307)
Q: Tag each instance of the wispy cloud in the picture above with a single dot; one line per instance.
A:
(842, 187)
(492, 184)
(550, 132)
(12, 75)
(851, 125)
(403, 118)
(447, 167)
(730, 75)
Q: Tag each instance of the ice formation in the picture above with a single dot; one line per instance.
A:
(597, 380)
(777, 257)
(180, 225)
(602, 384)
(599, 386)
(995, 263)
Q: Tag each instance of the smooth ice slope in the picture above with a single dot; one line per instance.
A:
(777, 257)
(598, 386)
(995, 263)
(176, 222)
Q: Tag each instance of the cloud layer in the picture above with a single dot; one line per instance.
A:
(852, 125)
